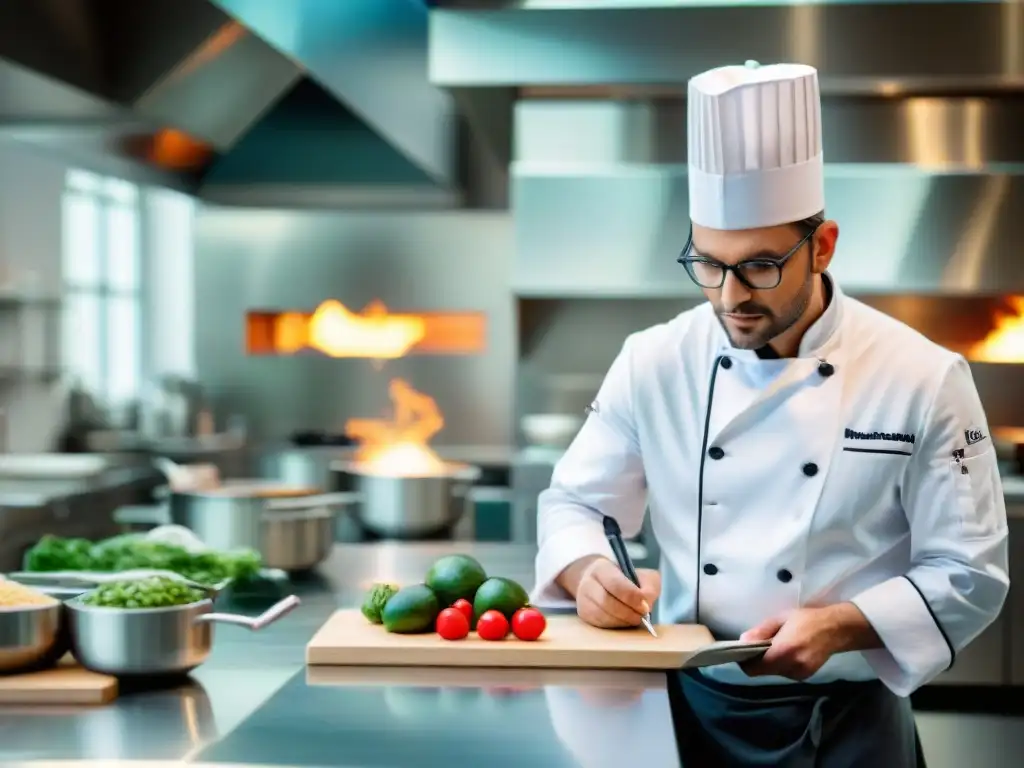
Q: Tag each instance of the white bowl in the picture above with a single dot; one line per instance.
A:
(554, 430)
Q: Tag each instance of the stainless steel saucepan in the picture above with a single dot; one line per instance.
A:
(154, 641)
(31, 636)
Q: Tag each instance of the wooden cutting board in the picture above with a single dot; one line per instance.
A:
(67, 683)
(348, 639)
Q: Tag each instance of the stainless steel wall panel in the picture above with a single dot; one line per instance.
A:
(274, 259)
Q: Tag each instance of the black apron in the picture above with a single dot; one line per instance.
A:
(795, 725)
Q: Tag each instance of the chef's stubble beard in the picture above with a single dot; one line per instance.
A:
(781, 322)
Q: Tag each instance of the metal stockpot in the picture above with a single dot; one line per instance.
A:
(291, 527)
(31, 636)
(398, 507)
(154, 641)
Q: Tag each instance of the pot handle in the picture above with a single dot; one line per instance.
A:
(305, 502)
(150, 514)
(482, 494)
(269, 616)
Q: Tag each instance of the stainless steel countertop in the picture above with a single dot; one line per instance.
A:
(252, 702)
(484, 455)
(41, 491)
(481, 454)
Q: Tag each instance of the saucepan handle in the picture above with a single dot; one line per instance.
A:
(305, 502)
(143, 514)
(483, 494)
(269, 616)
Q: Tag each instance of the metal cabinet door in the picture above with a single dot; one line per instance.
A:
(1015, 602)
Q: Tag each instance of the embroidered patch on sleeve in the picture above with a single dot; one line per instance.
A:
(974, 435)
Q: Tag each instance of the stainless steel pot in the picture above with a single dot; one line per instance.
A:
(297, 539)
(399, 507)
(31, 636)
(292, 527)
(154, 641)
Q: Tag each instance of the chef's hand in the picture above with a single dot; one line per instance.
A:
(798, 648)
(606, 598)
(805, 639)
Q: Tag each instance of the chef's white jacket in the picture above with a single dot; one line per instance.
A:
(862, 470)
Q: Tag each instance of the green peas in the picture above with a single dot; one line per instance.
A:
(154, 592)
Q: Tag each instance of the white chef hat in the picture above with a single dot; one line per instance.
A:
(754, 145)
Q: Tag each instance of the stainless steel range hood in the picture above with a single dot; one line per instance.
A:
(863, 47)
(59, 119)
(924, 157)
(172, 73)
(220, 98)
(600, 196)
(372, 55)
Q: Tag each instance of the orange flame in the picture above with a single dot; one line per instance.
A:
(171, 148)
(374, 333)
(337, 332)
(399, 446)
(1005, 342)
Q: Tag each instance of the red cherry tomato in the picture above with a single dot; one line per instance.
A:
(492, 625)
(452, 624)
(528, 623)
(465, 608)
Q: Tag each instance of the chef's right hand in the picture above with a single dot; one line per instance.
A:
(606, 598)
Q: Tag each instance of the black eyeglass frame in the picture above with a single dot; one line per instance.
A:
(688, 262)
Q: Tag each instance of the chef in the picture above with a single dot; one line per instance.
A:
(817, 473)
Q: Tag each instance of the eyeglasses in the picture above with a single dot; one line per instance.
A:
(756, 274)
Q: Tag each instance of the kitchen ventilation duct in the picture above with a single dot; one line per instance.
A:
(857, 47)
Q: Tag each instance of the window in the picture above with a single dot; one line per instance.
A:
(102, 286)
(168, 226)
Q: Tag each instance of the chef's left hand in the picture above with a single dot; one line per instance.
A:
(801, 643)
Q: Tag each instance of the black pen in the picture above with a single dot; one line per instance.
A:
(614, 535)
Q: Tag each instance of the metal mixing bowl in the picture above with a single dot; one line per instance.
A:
(31, 636)
(154, 641)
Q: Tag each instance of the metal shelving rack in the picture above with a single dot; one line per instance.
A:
(30, 325)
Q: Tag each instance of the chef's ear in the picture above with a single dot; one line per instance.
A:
(825, 238)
